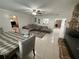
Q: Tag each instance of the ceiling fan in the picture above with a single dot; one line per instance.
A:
(37, 12)
(33, 11)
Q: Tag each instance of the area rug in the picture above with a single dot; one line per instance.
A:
(64, 54)
(38, 34)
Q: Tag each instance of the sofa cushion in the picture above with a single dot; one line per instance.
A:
(44, 28)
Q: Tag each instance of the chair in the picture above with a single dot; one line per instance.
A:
(25, 47)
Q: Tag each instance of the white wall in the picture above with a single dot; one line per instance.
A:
(52, 19)
(4, 22)
(63, 28)
(23, 19)
(50, 23)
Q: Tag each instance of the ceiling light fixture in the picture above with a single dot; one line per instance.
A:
(34, 13)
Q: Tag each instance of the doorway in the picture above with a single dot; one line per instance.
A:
(14, 24)
(59, 23)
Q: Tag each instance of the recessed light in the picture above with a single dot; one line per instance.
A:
(14, 16)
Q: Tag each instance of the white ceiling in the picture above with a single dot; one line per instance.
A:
(49, 6)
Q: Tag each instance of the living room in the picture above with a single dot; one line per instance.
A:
(31, 17)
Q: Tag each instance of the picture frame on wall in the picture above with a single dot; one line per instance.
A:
(35, 19)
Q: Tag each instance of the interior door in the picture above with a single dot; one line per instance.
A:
(58, 22)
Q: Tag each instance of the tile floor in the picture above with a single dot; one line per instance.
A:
(46, 48)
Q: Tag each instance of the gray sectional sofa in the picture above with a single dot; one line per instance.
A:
(34, 27)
